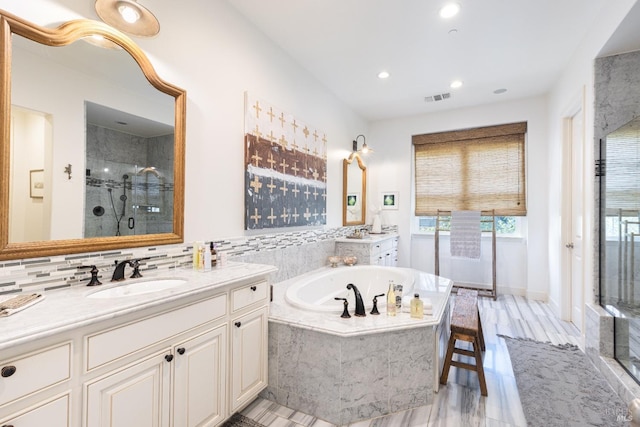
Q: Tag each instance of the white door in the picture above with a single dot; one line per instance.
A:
(575, 244)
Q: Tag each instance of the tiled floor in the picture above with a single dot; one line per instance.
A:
(459, 403)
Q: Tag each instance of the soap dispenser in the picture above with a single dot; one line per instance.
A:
(417, 307)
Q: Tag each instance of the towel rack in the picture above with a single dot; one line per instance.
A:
(487, 217)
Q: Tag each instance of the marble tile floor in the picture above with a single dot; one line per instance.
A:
(459, 403)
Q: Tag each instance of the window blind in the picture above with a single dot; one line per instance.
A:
(471, 169)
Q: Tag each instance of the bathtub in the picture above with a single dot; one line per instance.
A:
(317, 293)
(345, 370)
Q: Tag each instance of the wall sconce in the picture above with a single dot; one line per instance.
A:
(365, 149)
(128, 16)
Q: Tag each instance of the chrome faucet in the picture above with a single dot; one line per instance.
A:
(359, 304)
(118, 273)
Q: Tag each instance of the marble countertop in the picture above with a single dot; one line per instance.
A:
(332, 323)
(65, 309)
(372, 238)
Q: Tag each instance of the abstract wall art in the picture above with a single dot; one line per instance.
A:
(285, 169)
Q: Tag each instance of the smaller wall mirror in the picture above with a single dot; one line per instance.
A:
(354, 190)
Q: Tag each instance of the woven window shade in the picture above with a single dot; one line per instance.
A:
(471, 169)
(622, 174)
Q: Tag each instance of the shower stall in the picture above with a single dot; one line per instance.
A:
(128, 184)
(618, 171)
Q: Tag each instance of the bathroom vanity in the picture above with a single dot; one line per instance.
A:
(190, 355)
(377, 249)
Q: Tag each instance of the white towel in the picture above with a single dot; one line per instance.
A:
(465, 234)
(10, 304)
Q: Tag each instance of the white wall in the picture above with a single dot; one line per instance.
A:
(213, 53)
(390, 170)
(575, 86)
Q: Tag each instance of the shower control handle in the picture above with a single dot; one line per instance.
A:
(132, 223)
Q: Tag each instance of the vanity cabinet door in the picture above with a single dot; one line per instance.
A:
(54, 413)
(248, 357)
(137, 396)
(199, 380)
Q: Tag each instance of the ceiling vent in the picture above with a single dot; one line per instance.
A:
(438, 97)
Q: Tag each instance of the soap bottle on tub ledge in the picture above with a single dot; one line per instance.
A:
(391, 299)
(417, 307)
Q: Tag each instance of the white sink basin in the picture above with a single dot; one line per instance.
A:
(138, 288)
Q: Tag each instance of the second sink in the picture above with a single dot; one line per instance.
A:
(138, 288)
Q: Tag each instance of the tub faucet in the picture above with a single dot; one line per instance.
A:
(118, 273)
(359, 304)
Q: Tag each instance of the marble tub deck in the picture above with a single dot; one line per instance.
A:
(459, 403)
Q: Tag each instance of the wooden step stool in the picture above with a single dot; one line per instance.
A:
(466, 326)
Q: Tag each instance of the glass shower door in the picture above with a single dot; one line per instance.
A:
(619, 173)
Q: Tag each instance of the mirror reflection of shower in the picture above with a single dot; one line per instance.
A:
(123, 200)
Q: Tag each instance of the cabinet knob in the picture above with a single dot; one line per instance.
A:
(253, 288)
(7, 371)
(238, 324)
(181, 350)
(168, 357)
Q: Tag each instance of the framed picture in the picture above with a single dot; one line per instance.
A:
(389, 200)
(36, 183)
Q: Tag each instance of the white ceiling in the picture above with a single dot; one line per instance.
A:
(518, 45)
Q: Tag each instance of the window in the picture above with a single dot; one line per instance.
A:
(505, 225)
(471, 169)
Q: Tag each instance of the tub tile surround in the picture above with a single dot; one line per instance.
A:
(293, 253)
(346, 379)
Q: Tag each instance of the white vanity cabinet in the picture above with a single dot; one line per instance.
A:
(374, 250)
(249, 344)
(189, 362)
(177, 371)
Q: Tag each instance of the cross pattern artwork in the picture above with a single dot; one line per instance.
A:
(285, 169)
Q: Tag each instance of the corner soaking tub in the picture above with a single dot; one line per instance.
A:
(347, 370)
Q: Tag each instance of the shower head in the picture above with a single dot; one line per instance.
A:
(123, 198)
(125, 176)
(109, 190)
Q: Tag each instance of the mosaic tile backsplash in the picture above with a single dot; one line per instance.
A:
(293, 253)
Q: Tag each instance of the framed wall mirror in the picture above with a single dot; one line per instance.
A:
(82, 104)
(354, 190)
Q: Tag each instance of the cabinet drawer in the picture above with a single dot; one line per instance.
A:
(34, 372)
(54, 413)
(105, 347)
(247, 295)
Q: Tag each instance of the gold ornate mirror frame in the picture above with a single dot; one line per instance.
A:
(349, 187)
(63, 35)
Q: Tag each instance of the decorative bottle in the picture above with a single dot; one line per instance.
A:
(398, 291)
(214, 254)
(391, 300)
(417, 307)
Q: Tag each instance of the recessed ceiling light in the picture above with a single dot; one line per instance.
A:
(449, 10)
(383, 75)
(499, 91)
(455, 84)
